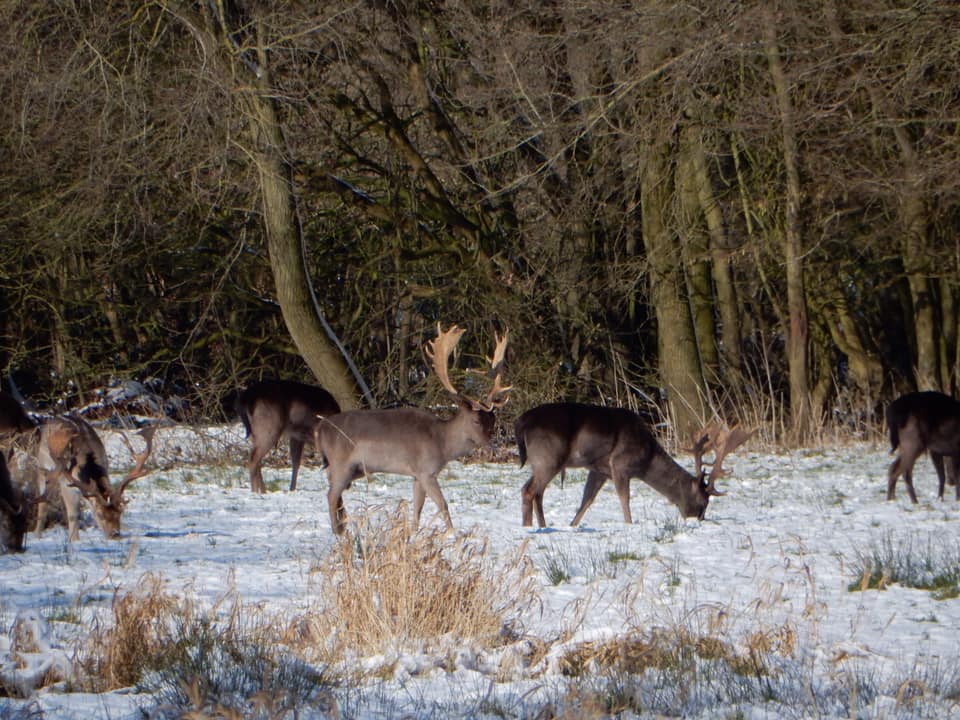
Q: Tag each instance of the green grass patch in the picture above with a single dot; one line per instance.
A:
(924, 563)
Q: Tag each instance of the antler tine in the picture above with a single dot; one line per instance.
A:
(497, 397)
(706, 440)
(140, 459)
(499, 352)
(439, 349)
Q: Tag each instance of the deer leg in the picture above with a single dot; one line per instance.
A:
(71, 503)
(951, 471)
(263, 442)
(432, 488)
(892, 474)
(338, 514)
(296, 454)
(256, 473)
(595, 481)
(419, 495)
(937, 459)
(908, 479)
(622, 484)
(532, 495)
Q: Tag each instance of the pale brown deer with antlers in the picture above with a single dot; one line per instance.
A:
(613, 443)
(410, 441)
(71, 453)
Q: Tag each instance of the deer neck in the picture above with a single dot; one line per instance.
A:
(670, 480)
(456, 436)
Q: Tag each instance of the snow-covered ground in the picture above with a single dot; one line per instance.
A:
(776, 555)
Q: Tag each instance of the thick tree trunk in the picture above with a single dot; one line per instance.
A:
(699, 282)
(679, 360)
(798, 332)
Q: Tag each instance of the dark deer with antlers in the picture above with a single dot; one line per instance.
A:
(613, 443)
(70, 452)
(920, 422)
(410, 441)
(271, 409)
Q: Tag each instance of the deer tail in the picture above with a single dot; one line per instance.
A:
(520, 431)
(244, 412)
(897, 416)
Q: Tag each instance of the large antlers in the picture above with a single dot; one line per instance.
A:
(721, 442)
(140, 459)
(439, 350)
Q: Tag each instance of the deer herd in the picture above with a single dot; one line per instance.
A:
(48, 469)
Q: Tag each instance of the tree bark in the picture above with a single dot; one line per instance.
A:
(679, 360)
(696, 248)
(723, 281)
(801, 415)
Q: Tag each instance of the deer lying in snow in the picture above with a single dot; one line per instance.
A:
(613, 443)
(271, 409)
(918, 422)
(409, 441)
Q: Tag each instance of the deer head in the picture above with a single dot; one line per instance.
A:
(71, 449)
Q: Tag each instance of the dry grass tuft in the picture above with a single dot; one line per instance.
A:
(143, 626)
(679, 649)
(224, 661)
(391, 587)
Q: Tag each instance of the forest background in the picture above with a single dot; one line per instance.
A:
(742, 208)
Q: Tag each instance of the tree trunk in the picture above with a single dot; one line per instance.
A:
(914, 219)
(726, 294)
(679, 361)
(286, 252)
(700, 287)
(798, 332)
(948, 352)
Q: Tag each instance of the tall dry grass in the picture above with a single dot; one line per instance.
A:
(389, 587)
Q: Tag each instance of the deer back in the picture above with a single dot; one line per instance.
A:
(576, 435)
(406, 441)
(286, 407)
(926, 420)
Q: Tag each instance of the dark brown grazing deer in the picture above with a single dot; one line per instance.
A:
(13, 512)
(410, 441)
(613, 443)
(271, 409)
(70, 452)
(13, 509)
(918, 422)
